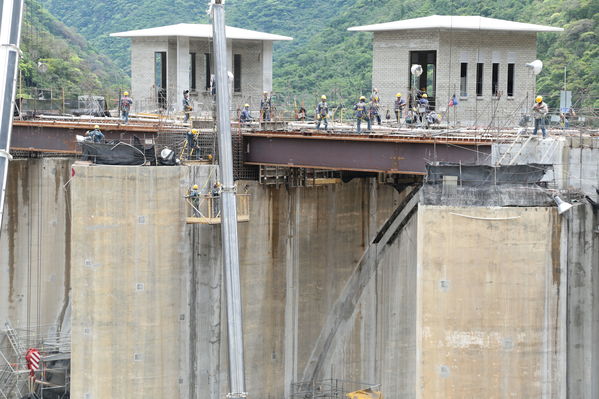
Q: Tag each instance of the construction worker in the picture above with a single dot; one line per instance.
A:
(361, 113)
(539, 112)
(194, 196)
(423, 107)
(193, 148)
(374, 110)
(126, 102)
(375, 94)
(399, 105)
(187, 108)
(265, 107)
(245, 117)
(95, 135)
(322, 112)
(215, 192)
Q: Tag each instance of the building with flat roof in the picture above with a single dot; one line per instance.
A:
(167, 60)
(482, 61)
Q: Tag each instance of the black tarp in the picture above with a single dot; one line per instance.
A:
(118, 153)
(481, 175)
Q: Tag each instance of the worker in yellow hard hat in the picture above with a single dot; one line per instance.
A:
(539, 113)
(194, 197)
(398, 106)
(125, 106)
(95, 135)
(246, 117)
(361, 113)
(322, 113)
(423, 109)
(193, 147)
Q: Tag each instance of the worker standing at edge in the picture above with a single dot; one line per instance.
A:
(539, 112)
(126, 102)
(95, 135)
(265, 107)
(194, 196)
(322, 113)
(192, 144)
(399, 105)
(423, 107)
(361, 112)
(187, 108)
(245, 117)
(374, 110)
(215, 193)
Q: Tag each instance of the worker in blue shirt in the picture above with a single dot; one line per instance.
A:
(245, 116)
(374, 110)
(95, 135)
(361, 113)
(322, 113)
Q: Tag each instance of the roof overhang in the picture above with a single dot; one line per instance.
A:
(200, 31)
(455, 23)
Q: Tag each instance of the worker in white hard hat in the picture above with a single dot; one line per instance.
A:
(399, 106)
(95, 135)
(322, 113)
(245, 117)
(187, 108)
(539, 112)
(265, 107)
(361, 113)
(125, 105)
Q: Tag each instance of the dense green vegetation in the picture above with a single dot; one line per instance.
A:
(326, 58)
(57, 58)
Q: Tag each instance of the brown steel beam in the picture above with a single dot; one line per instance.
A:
(359, 154)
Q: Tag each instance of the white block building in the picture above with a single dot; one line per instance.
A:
(480, 60)
(167, 60)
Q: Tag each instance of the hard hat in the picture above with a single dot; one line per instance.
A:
(265, 92)
(126, 93)
(375, 98)
(195, 187)
(539, 99)
(323, 97)
(424, 95)
(247, 105)
(398, 95)
(362, 98)
(96, 127)
(194, 131)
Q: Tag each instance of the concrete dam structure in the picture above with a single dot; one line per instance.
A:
(437, 291)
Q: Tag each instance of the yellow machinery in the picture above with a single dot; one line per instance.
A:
(365, 394)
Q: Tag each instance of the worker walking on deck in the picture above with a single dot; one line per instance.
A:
(374, 110)
(399, 105)
(423, 108)
(245, 117)
(361, 113)
(322, 113)
(539, 112)
(126, 102)
(194, 197)
(265, 107)
(95, 135)
(187, 108)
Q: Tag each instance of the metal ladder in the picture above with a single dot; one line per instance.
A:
(14, 340)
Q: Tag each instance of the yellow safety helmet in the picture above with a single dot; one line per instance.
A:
(375, 98)
(194, 131)
(195, 187)
(126, 93)
(246, 105)
(323, 97)
(362, 98)
(424, 95)
(398, 95)
(96, 127)
(539, 99)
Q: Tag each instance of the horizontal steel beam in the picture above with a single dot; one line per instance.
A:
(359, 154)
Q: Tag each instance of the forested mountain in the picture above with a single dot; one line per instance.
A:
(325, 57)
(56, 57)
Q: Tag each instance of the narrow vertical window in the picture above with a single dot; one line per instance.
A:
(160, 69)
(237, 73)
(495, 80)
(192, 71)
(207, 69)
(510, 80)
(479, 79)
(463, 79)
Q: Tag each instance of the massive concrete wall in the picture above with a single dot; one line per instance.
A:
(35, 244)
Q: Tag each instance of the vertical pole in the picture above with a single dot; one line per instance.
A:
(228, 208)
(10, 31)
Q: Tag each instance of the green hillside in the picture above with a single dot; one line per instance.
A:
(56, 58)
(326, 58)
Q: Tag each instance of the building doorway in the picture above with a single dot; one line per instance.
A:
(160, 77)
(427, 81)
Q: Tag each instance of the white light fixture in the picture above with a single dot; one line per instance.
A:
(416, 69)
(562, 206)
(536, 66)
